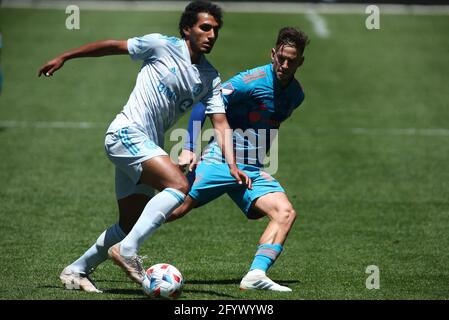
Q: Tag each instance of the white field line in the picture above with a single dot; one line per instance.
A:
(250, 7)
(401, 132)
(52, 124)
(319, 24)
(432, 132)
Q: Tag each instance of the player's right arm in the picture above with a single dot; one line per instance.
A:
(94, 49)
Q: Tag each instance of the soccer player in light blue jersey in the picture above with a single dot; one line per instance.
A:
(257, 101)
(174, 76)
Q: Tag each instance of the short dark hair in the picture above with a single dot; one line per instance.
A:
(190, 15)
(292, 37)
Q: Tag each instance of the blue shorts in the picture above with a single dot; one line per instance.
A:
(211, 180)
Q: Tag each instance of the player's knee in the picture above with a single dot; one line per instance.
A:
(180, 185)
(184, 187)
(286, 216)
(292, 216)
(177, 214)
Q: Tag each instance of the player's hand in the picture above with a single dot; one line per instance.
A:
(241, 176)
(51, 66)
(187, 159)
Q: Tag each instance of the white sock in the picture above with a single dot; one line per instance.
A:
(153, 215)
(99, 250)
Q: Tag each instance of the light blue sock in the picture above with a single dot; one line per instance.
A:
(153, 215)
(265, 256)
(99, 250)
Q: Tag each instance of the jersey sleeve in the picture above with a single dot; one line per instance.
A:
(300, 97)
(213, 100)
(145, 47)
(235, 90)
(197, 116)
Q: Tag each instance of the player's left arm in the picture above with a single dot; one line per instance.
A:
(93, 49)
(224, 138)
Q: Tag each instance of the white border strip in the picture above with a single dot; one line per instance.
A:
(261, 7)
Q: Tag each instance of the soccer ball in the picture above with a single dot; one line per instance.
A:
(163, 281)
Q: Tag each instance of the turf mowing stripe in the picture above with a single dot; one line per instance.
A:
(269, 7)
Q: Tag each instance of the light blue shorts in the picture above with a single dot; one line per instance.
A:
(211, 180)
(127, 148)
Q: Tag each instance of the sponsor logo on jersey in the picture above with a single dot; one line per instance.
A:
(170, 94)
(185, 104)
(257, 117)
(263, 106)
(227, 89)
(197, 88)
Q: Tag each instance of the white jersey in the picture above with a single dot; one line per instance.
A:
(167, 85)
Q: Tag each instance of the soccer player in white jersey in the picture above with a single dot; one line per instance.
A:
(174, 76)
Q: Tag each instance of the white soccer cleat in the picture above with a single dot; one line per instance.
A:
(77, 281)
(258, 280)
(131, 265)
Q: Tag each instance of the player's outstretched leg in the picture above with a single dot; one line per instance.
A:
(183, 209)
(159, 173)
(124, 254)
(75, 276)
(282, 216)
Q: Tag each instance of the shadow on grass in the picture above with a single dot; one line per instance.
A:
(111, 281)
(124, 291)
(51, 287)
(208, 292)
(137, 293)
(234, 281)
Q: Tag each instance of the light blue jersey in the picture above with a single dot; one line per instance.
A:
(255, 104)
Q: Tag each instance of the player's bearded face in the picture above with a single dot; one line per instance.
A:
(203, 34)
(286, 60)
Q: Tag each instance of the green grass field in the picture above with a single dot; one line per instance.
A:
(367, 191)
